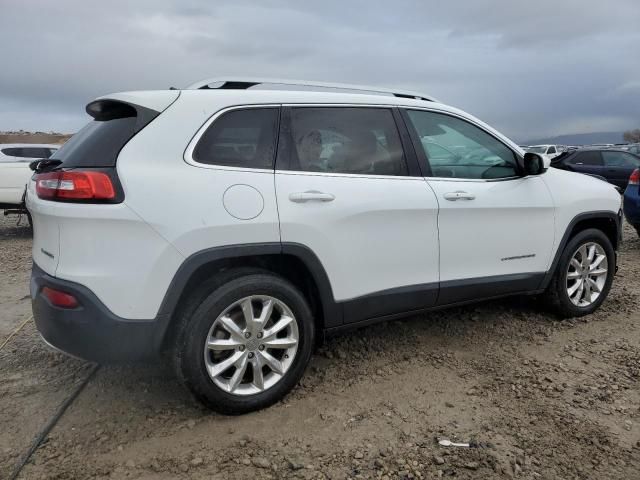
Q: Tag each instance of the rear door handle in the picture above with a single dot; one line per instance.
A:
(459, 195)
(311, 196)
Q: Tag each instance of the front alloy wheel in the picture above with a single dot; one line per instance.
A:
(583, 276)
(251, 345)
(587, 274)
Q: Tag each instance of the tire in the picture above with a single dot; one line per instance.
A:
(557, 294)
(202, 322)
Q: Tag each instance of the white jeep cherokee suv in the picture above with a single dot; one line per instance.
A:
(229, 227)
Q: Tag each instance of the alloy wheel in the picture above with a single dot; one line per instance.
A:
(587, 274)
(251, 345)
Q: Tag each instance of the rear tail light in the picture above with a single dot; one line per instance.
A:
(60, 299)
(74, 185)
(634, 179)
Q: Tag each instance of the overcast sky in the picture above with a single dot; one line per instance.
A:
(530, 68)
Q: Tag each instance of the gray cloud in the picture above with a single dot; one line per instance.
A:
(529, 68)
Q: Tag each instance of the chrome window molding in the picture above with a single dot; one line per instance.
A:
(475, 180)
(350, 175)
(188, 153)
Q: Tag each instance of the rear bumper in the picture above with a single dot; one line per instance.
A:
(90, 331)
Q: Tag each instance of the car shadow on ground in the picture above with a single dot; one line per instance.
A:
(154, 385)
(14, 226)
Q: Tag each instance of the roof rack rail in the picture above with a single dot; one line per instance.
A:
(244, 83)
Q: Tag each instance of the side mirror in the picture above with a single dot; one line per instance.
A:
(534, 164)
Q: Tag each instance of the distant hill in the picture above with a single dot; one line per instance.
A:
(33, 137)
(579, 139)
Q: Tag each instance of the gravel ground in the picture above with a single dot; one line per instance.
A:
(539, 398)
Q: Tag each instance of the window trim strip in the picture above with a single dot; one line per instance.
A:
(402, 109)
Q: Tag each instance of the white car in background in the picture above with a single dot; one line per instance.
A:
(15, 172)
(551, 151)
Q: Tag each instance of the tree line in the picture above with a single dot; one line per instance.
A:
(632, 136)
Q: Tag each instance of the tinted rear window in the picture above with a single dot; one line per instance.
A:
(587, 158)
(240, 138)
(12, 152)
(363, 141)
(97, 144)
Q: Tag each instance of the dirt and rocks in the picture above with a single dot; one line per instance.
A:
(33, 137)
(536, 397)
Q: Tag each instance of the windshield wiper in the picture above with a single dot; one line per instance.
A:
(44, 164)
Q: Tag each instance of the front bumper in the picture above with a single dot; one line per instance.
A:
(90, 331)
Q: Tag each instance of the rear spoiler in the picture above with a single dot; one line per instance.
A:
(158, 100)
(43, 164)
(109, 109)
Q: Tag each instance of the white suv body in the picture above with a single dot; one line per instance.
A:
(332, 193)
(14, 169)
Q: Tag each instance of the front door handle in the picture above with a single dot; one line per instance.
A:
(459, 195)
(311, 195)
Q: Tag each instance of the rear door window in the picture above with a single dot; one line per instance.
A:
(619, 159)
(349, 140)
(240, 138)
(587, 158)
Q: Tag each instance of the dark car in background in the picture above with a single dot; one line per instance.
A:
(615, 165)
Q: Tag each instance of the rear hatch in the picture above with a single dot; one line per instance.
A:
(80, 180)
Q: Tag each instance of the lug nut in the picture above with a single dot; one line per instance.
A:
(261, 347)
(247, 335)
(260, 335)
(250, 354)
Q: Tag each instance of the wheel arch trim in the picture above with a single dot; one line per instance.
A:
(331, 310)
(585, 216)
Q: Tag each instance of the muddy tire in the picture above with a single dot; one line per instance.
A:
(246, 343)
(583, 276)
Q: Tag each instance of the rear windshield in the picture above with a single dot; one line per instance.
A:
(97, 144)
